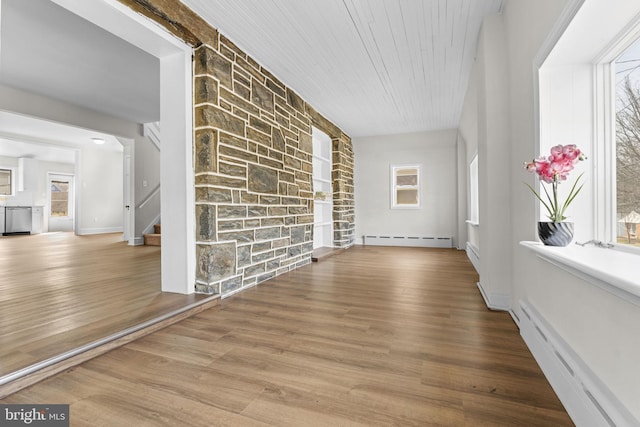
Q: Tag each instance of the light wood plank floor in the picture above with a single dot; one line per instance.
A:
(59, 291)
(373, 336)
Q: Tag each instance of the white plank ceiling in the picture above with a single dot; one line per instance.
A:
(373, 67)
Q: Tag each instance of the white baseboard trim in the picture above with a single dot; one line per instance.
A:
(473, 253)
(515, 318)
(411, 241)
(500, 302)
(588, 401)
(136, 241)
(105, 230)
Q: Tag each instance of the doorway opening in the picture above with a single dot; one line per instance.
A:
(176, 271)
(60, 202)
(178, 257)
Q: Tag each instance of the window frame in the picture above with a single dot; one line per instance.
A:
(67, 201)
(394, 187)
(474, 193)
(577, 84)
(12, 178)
(605, 121)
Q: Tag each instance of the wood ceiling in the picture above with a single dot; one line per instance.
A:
(373, 67)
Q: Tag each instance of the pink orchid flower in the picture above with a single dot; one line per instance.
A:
(554, 169)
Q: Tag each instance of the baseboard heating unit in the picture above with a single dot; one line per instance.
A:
(416, 241)
(588, 401)
(474, 256)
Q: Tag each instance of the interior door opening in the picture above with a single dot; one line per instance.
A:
(60, 202)
(178, 256)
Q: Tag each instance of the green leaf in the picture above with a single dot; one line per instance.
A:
(541, 201)
(572, 194)
(553, 211)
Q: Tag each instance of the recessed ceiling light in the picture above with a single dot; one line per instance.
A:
(98, 141)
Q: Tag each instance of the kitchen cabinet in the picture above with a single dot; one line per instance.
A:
(37, 218)
(34, 223)
(27, 174)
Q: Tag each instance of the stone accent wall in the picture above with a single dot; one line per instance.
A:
(253, 170)
(343, 196)
(252, 161)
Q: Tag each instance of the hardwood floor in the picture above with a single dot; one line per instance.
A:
(59, 291)
(373, 336)
(324, 252)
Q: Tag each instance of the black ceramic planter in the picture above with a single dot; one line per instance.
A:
(555, 233)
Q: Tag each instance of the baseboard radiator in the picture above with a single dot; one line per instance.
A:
(473, 253)
(422, 242)
(588, 401)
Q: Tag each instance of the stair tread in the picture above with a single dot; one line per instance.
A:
(152, 239)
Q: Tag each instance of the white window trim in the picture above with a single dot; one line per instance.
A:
(604, 158)
(14, 178)
(474, 201)
(593, 264)
(605, 127)
(392, 173)
(613, 270)
(617, 28)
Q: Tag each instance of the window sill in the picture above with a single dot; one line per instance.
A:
(613, 270)
(400, 207)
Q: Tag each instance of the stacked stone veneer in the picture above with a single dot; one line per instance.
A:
(253, 173)
(252, 161)
(343, 196)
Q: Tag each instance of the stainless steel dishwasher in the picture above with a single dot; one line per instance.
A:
(17, 220)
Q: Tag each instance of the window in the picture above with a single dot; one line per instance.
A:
(405, 186)
(627, 142)
(59, 198)
(577, 105)
(474, 209)
(6, 182)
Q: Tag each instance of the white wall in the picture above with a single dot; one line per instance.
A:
(493, 163)
(599, 327)
(436, 152)
(468, 132)
(147, 178)
(100, 179)
(468, 127)
(462, 190)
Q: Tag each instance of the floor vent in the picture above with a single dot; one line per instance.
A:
(417, 241)
(586, 398)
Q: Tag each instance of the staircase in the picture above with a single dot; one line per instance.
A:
(149, 207)
(153, 239)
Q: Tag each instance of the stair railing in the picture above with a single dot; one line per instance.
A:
(152, 131)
